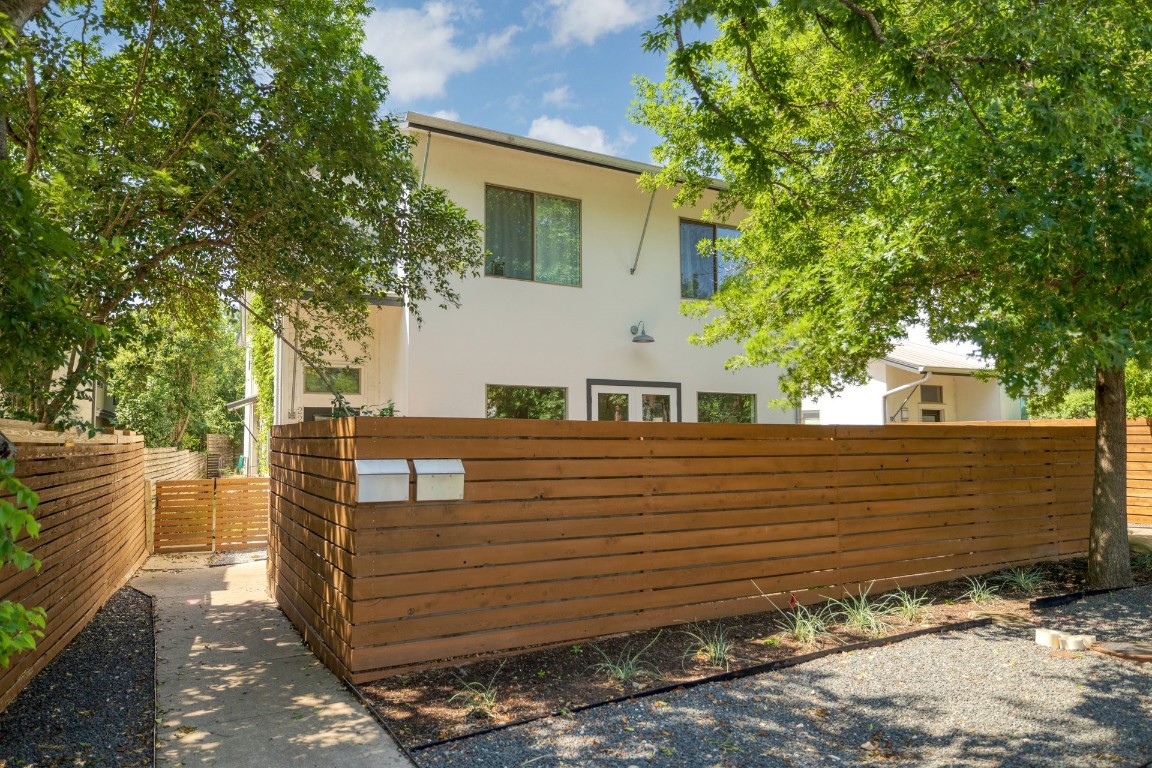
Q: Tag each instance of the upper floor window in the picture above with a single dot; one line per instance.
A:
(931, 393)
(531, 236)
(702, 273)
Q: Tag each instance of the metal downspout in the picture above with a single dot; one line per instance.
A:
(901, 388)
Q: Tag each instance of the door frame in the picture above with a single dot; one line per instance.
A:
(674, 385)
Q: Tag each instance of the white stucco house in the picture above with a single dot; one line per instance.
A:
(576, 313)
(917, 383)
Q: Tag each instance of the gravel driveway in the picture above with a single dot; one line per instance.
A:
(986, 697)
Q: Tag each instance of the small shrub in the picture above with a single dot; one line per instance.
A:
(979, 591)
(1024, 581)
(480, 698)
(709, 644)
(910, 606)
(627, 666)
(858, 612)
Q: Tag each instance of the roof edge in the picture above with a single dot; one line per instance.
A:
(421, 122)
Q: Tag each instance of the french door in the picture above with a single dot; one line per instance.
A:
(633, 401)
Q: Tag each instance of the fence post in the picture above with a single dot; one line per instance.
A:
(214, 492)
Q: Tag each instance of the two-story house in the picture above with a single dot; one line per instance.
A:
(576, 314)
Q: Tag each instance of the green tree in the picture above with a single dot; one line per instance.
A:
(172, 381)
(981, 167)
(1080, 403)
(192, 150)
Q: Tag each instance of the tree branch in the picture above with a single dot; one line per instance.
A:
(32, 128)
(971, 109)
(877, 30)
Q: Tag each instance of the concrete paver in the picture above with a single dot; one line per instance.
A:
(237, 687)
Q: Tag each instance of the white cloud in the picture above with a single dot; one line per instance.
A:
(447, 114)
(559, 97)
(588, 137)
(584, 21)
(419, 49)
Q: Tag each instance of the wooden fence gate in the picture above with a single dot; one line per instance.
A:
(215, 515)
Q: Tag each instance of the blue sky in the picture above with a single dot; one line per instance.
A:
(557, 70)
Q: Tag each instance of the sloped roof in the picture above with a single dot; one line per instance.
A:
(415, 121)
(922, 357)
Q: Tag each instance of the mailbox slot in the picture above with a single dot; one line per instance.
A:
(439, 479)
(379, 480)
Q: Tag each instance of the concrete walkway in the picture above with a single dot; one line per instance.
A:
(235, 685)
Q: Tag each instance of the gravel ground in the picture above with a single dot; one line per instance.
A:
(986, 697)
(94, 705)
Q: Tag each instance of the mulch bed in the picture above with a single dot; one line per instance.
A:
(95, 704)
(429, 706)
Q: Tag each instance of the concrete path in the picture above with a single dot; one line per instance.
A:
(235, 685)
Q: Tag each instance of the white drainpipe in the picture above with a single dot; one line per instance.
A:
(901, 388)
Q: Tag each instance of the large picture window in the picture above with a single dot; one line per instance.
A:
(512, 402)
(725, 408)
(532, 236)
(702, 274)
(346, 381)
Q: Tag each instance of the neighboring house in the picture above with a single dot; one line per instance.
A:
(576, 313)
(917, 382)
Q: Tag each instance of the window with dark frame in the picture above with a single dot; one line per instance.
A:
(345, 380)
(531, 236)
(703, 273)
(933, 415)
(516, 402)
(931, 393)
(725, 408)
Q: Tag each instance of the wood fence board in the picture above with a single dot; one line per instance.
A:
(571, 530)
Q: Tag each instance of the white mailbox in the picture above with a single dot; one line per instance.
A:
(439, 479)
(381, 480)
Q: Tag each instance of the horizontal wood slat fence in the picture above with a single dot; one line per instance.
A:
(1140, 472)
(571, 530)
(169, 464)
(92, 538)
(213, 515)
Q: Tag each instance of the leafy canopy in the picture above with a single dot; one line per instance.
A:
(172, 382)
(982, 167)
(191, 150)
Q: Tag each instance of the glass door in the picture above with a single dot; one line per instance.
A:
(634, 402)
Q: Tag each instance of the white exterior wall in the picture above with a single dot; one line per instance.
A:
(514, 332)
(965, 399)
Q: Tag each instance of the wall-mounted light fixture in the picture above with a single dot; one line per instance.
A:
(639, 336)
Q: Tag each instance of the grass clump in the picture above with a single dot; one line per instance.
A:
(479, 698)
(1023, 581)
(709, 644)
(628, 666)
(910, 606)
(979, 591)
(858, 612)
(804, 624)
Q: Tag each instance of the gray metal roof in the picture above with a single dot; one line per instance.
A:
(921, 357)
(415, 121)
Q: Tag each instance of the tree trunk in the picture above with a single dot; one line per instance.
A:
(1109, 564)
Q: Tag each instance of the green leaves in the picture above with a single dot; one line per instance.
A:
(19, 626)
(188, 151)
(979, 169)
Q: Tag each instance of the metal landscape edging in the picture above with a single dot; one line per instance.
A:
(721, 677)
(736, 674)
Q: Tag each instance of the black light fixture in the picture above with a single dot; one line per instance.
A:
(639, 336)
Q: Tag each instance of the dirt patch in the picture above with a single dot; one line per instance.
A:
(427, 706)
